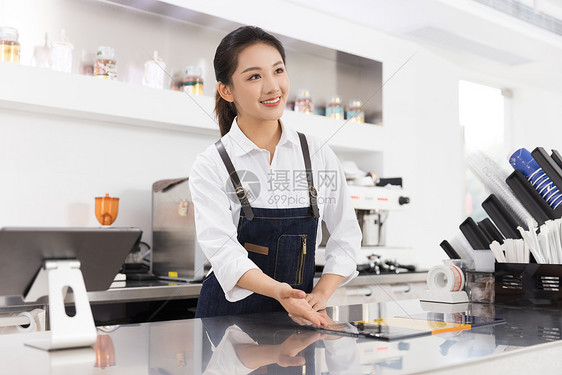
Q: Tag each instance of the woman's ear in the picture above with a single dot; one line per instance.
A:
(225, 92)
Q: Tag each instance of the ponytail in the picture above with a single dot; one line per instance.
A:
(226, 112)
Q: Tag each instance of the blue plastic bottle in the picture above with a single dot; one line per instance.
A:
(524, 161)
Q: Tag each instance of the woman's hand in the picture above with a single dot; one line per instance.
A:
(285, 354)
(295, 303)
(323, 290)
(288, 352)
(317, 300)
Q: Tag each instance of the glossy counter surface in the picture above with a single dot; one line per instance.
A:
(272, 343)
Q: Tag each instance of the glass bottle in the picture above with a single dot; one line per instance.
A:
(334, 109)
(354, 112)
(105, 65)
(176, 82)
(10, 48)
(61, 54)
(193, 82)
(41, 54)
(87, 63)
(154, 70)
(303, 104)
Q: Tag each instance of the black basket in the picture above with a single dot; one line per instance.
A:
(528, 284)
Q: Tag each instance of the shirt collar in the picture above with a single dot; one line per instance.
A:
(242, 145)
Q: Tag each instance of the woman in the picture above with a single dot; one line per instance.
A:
(260, 233)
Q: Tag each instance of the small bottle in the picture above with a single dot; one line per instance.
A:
(10, 48)
(354, 112)
(154, 70)
(105, 65)
(193, 82)
(41, 54)
(135, 69)
(176, 82)
(87, 63)
(334, 109)
(303, 104)
(61, 54)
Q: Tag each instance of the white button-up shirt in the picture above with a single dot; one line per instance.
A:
(281, 184)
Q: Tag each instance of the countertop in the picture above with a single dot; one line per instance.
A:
(131, 291)
(528, 341)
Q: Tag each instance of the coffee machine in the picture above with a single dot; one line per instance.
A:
(372, 205)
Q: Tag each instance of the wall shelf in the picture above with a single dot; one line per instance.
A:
(84, 97)
(323, 71)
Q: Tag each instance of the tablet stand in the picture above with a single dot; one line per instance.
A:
(54, 279)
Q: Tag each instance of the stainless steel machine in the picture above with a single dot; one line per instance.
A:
(372, 205)
(176, 255)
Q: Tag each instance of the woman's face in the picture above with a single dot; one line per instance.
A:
(260, 84)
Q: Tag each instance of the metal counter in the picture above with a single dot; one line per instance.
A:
(529, 341)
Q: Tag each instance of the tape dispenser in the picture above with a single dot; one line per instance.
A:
(446, 283)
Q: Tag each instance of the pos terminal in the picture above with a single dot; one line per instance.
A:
(40, 262)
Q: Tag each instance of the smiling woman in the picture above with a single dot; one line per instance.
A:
(260, 92)
(262, 249)
(235, 66)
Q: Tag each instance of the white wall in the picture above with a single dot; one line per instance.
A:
(53, 167)
(537, 118)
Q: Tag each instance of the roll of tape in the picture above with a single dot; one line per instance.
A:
(445, 278)
(32, 327)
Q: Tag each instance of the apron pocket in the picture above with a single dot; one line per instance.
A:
(290, 259)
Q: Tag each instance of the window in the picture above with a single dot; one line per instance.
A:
(482, 116)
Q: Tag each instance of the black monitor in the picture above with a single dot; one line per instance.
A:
(101, 252)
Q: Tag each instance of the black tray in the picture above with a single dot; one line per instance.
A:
(528, 284)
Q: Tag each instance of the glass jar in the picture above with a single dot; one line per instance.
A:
(303, 104)
(193, 81)
(105, 65)
(354, 112)
(334, 109)
(10, 48)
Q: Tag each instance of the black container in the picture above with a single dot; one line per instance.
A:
(522, 284)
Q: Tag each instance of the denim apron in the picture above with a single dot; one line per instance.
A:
(281, 242)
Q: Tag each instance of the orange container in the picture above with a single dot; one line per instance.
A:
(105, 352)
(107, 209)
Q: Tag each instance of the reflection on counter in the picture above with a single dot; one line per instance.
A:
(246, 344)
(273, 343)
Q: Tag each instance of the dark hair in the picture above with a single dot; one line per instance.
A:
(226, 61)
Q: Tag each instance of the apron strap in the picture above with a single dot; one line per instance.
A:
(312, 192)
(238, 188)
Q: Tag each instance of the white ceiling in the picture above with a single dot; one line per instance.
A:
(467, 32)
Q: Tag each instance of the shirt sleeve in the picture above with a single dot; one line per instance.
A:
(216, 233)
(224, 359)
(342, 248)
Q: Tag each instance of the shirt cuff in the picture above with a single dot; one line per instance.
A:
(229, 276)
(341, 267)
